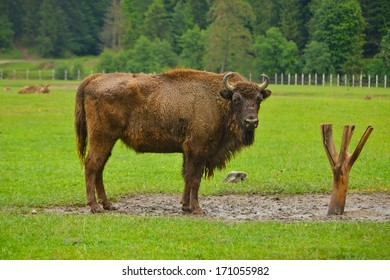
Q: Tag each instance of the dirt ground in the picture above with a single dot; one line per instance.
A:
(287, 208)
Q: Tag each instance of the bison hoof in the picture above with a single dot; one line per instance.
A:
(111, 207)
(96, 209)
(197, 211)
(186, 209)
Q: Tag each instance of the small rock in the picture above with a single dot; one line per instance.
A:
(34, 212)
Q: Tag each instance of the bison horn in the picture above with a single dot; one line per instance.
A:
(265, 84)
(226, 81)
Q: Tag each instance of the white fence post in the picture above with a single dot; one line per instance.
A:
(330, 80)
(309, 79)
(353, 80)
(296, 79)
(303, 79)
(369, 80)
(288, 78)
(361, 80)
(315, 79)
(385, 82)
(338, 79)
(346, 80)
(323, 79)
(281, 79)
(276, 78)
(376, 81)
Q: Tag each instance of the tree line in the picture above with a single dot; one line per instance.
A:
(248, 36)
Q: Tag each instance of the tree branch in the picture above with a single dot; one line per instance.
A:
(328, 141)
(360, 146)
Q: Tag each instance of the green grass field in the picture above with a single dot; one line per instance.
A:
(39, 168)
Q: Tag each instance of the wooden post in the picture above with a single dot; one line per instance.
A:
(341, 163)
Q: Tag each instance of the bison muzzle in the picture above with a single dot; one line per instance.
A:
(205, 116)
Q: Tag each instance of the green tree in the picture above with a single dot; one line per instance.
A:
(192, 43)
(157, 23)
(133, 12)
(340, 24)
(317, 58)
(229, 41)
(293, 18)
(275, 54)
(199, 10)
(114, 26)
(6, 33)
(377, 16)
(267, 15)
(384, 55)
(182, 20)
(53, 34)
(150, 56)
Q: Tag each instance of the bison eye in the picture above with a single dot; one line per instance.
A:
(237, 99)
(259, 98)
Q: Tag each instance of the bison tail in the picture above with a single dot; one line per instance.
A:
(80, 119)
(80, 123)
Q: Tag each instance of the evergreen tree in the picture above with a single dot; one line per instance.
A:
(377, 16)
(53, 35)
(340, 24)
(182, 21)
(133, 12)
(229, 42)
(156, 23)
(293, 18)
(267, 15)
(199, 10)
(384, 54)
(193, 44)
(114, 26)
(6, 34)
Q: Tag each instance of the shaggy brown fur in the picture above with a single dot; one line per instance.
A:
(179, 111)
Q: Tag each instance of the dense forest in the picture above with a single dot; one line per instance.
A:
(279, 36)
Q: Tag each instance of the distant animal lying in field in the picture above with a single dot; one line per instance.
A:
(6, 88)
(205, 116)
(35, 89)
(235, 177)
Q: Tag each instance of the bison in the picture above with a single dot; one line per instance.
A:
(207, 117)
(35, 89)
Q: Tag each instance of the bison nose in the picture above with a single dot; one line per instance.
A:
(251, 123)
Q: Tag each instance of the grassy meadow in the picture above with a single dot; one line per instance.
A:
(39, 168)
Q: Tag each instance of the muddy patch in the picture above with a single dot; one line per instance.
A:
(308, 207)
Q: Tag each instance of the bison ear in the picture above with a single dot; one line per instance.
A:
(227, 94)
(265, 93)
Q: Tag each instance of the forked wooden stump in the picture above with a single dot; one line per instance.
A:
(341, 163)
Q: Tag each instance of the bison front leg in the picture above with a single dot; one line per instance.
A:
(192, 173)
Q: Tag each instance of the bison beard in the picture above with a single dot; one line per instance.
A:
(249, 137)
(205, 116)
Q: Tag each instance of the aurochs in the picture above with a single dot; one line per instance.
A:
(205, 116)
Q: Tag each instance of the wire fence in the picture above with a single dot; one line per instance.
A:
(362, 80)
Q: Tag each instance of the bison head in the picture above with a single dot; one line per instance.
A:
(245, 98)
